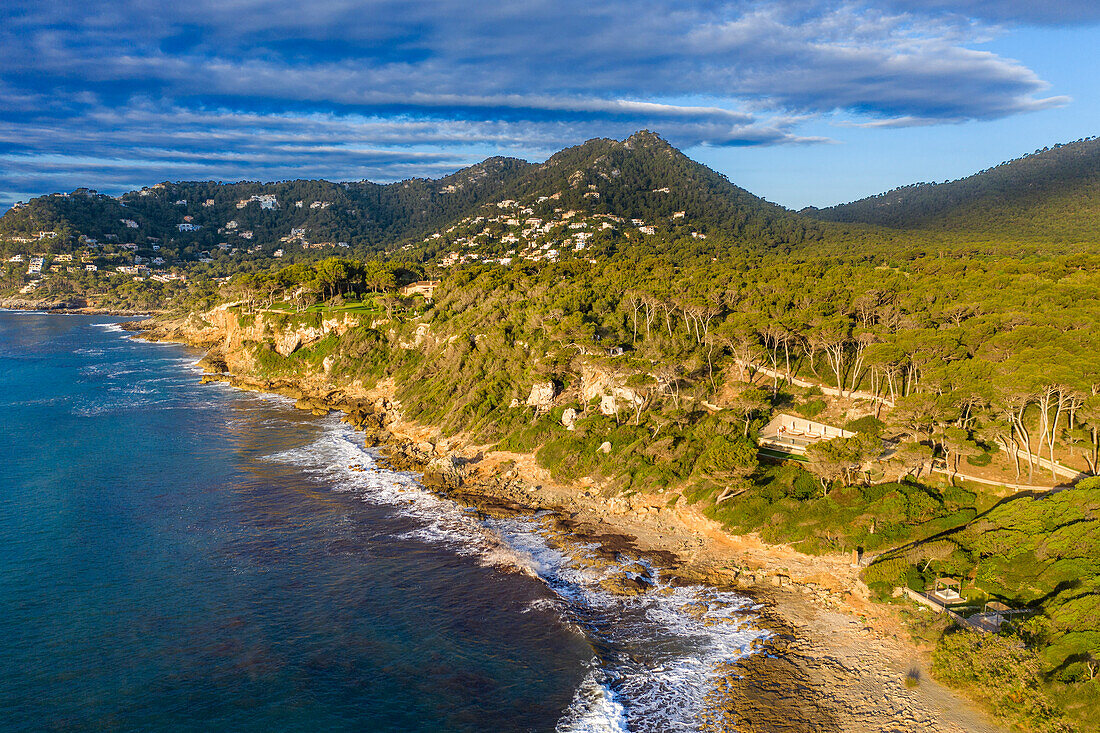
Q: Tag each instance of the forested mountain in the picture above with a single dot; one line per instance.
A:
(190, 217)
(1053, 193)
(631, 198)
(642, 179)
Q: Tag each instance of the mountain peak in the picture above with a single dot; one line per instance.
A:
(646, 138)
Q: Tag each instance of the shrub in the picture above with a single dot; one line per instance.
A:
(1002, 672)
(811, 409)
(869, 424)
(982, 459)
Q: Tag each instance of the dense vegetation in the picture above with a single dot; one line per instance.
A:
(367, 216)
(1052, 195)
(976, 363)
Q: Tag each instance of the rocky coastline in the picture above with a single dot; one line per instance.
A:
(66, 306)
(833, 661)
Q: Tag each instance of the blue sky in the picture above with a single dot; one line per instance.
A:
(804, 102)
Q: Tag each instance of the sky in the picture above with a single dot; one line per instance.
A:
(803, 102)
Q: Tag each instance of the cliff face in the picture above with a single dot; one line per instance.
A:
(233, 336)
(285, 332)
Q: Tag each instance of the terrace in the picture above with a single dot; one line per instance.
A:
(790, 434)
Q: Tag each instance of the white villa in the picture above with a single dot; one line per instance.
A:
(791, 434)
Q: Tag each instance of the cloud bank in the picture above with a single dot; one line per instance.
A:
(117, 94)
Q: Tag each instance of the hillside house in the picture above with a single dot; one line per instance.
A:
(792, 434)
(421, 287)
(265, 200)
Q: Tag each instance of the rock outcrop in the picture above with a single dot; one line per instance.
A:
(569, 418)
(542, 395)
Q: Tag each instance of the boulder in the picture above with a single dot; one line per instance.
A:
(622, 584)
(608, 406)
(442, 473)
(214, 362)
(569, 418)
(605, 447)
(312, 405)
(542, 395)
(287, 343)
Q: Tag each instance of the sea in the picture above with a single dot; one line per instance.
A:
(177, 556)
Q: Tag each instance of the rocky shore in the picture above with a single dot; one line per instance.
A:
(834, 661)
(77, 306)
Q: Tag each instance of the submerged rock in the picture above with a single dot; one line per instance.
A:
(625, 585)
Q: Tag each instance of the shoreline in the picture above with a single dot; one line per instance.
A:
(67, 308)
(834, 661)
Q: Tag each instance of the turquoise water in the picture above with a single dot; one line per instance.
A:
(179, 556)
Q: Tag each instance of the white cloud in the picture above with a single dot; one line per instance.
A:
(339, 82)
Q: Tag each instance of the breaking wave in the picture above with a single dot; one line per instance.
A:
(656, 655)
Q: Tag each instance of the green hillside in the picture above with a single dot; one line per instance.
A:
(638, 197)
(1052, 194)
(1039, 553)
(641, 179)
(646, 178)
(366, 216)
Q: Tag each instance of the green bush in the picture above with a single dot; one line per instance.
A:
(982, 459)
(1001, 671)
(869, 424)
(811, 409)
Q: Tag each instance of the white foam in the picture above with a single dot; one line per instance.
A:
(658, 653)
(595, 709)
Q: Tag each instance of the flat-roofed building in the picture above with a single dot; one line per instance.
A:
(793, 434)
